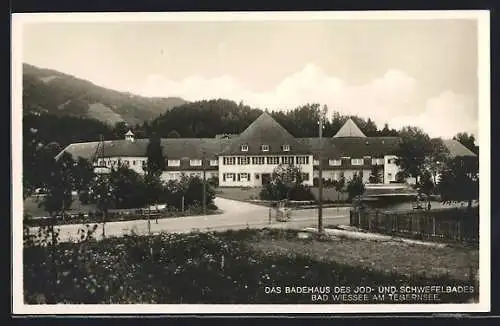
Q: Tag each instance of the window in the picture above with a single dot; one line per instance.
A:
(214, 162)
(229, 160)
(273, 160)
(244, 177)
(286, 148)
(302, 159)
(259, 160)
(357, 161)
(243, 160)
(228, 176)
(244, 148)
(305, 176)
(173, 162)
(264, 148)
(195, 162)
(133, 162)
(377, 161)
(335, 162)
(287, 160)
(391, 161)
(315, 162)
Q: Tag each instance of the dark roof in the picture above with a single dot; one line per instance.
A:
(265, 131)
(357, 147)
(194, 148)
(173, 148)
(329, 149)
(456, 148)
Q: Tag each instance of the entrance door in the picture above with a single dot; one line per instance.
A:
(266, 178)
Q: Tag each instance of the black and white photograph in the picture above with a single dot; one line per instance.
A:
(251, 162)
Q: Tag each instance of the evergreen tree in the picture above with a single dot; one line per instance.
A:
(154, 152)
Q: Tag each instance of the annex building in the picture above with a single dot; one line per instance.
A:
(248, 159)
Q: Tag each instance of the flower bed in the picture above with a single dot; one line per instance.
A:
(192, 268)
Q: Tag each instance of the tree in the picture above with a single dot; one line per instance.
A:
(413, 149)
(339, 186)
(128, 188)
(286, 183)
(120, 129)
(59, 186)
(84, 175)
(460, 180)
(426, 185)
(376, 174)
(436, 160)
(101, 194)
(154, 152)
(58, 199)
(355, 186)
(173, 134)
(287, 175)
(467, 140)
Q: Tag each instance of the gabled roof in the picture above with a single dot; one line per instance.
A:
(265, 131)
(349, 129)
(173, 148)
(129, 133)
(456, 148)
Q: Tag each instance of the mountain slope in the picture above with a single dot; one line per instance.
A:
(53, 92)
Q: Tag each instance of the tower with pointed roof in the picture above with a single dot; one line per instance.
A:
(130, 136)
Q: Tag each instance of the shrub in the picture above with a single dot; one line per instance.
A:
(273, 191)
(301, 192)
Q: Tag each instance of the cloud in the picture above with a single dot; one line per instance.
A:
(444, 115)
(393, 97)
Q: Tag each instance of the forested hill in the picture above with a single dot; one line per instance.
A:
(49, 91)
(209, 118)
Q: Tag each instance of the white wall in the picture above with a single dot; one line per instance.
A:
(259, 169)
(390, 169)
(137, 167)
(176, 175)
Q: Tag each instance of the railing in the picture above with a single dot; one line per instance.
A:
(453, 224)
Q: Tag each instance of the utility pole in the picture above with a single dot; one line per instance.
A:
(320, 167)
(204, 184)
(105, 184)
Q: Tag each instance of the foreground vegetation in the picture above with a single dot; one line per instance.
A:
(229, 267)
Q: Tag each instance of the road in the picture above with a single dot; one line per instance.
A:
(236, 215)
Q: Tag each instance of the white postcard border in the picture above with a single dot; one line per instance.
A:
(18, 306)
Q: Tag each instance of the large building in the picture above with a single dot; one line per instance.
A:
(248, 159)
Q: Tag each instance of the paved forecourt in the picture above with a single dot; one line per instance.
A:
(236, 215)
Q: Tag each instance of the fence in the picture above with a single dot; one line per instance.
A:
(448, 225)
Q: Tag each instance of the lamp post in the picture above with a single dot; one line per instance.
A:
(320, 171)
(204, 184)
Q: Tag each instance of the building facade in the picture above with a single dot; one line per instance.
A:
(249, 159)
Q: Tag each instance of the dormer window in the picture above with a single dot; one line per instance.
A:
(264, 148)
(286, 148)
(244, 148)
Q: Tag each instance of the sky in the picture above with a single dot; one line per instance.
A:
(400, 72)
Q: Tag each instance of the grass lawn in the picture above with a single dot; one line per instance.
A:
(240, 194)
(232, 267)
(401, 258)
